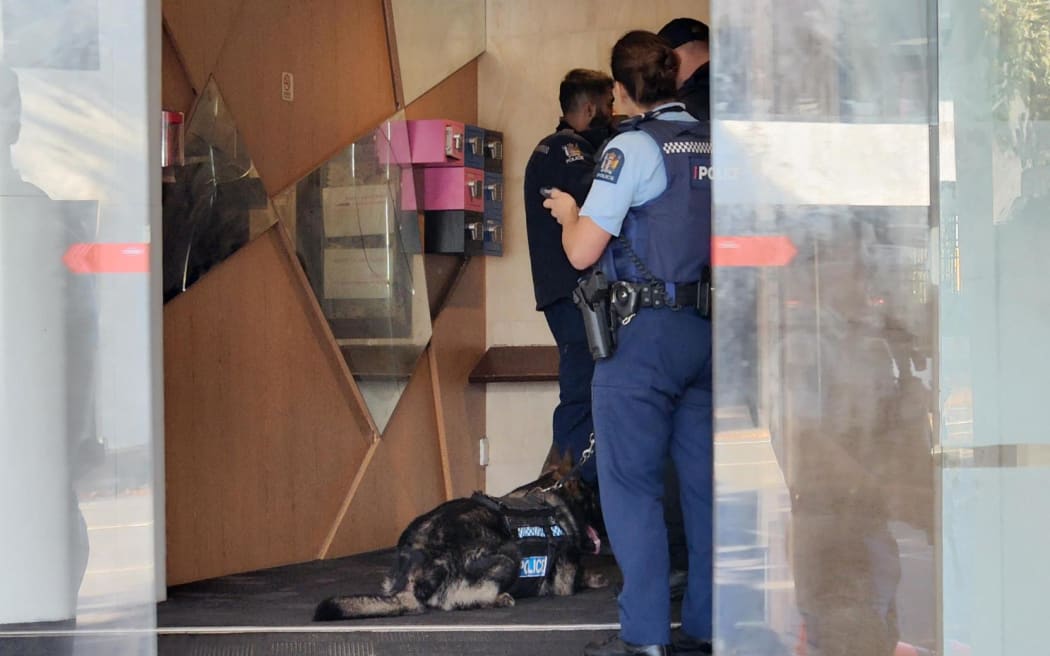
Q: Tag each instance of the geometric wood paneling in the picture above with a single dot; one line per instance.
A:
(263, 431)
(199, 29)
(458, 300)
(402, 480)
(457, 344)
(432, 437)
(455, 98)
(271, 457)
(338, 55)
(176, 94)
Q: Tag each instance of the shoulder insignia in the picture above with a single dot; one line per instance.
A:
(611, 165)
(572, 153)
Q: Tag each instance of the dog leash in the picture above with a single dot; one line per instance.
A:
(575, 471)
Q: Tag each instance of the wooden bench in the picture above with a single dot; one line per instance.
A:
(517, 364)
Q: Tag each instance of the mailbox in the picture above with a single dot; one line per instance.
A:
(437, 142)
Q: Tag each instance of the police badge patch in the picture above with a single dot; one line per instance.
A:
(533, 567)
(612, 164)
(572, 153)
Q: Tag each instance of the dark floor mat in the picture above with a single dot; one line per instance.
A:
(286, 597)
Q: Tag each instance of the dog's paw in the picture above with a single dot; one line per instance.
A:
(504, 600)
(595, 580)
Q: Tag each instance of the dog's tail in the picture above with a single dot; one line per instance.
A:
(359, 606)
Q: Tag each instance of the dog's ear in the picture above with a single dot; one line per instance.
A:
(558, 462)
(549, 463)
(565, 465)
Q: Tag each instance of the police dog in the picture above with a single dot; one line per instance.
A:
(462, 555)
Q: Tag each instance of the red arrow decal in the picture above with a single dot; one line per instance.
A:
(107, 258)
(761, 251)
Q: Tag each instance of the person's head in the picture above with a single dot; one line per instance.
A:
(644, 70)
(586, 99)
(10, 106)
(690, 40)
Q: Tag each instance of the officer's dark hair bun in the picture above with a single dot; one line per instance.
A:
(646, 66)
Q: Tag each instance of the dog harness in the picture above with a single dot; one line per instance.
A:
(539, 535)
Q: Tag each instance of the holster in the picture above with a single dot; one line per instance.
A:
(591, 296)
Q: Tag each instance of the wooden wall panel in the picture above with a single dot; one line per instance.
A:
(176, 94)
(266, 438)
(455, 98)
(458, 343)
(338, 55)
(458, 340)
(199, 29)
(263, 434)
(403, 479)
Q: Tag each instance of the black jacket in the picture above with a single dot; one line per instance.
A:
(696, 93)
(564, 160)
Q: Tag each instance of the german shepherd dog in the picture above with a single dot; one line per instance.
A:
(462, 555)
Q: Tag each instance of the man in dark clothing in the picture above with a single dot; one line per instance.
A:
(689, 38)
(565, 160)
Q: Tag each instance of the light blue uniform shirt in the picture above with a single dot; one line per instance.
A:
(631, 173)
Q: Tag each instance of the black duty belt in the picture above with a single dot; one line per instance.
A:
(628, 297)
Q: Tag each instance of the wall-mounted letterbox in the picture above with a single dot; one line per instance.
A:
(494, 196)
(454, 232)
(453, 189)
(494, 151)
(437, 142)
(474, 148)
(444, 188)
(492, 238)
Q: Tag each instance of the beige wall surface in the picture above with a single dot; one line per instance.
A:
(434, 39)
(531, 44)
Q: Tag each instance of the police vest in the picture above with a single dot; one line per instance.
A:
(670, 234)
(538, 533)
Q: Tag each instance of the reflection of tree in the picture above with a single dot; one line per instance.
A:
(1020, 31)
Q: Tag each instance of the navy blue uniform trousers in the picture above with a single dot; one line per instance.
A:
(652, 398)
(572, 418)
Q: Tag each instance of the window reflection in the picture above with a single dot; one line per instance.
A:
(217, 203)
(825, 365)
(363, 258)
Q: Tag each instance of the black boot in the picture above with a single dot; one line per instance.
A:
(683, 643)
(615, 646)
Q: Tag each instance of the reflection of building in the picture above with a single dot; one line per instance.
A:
(913, 259)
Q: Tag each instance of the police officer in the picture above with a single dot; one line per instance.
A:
(652, 397)
(689, 38)
(565, 159)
